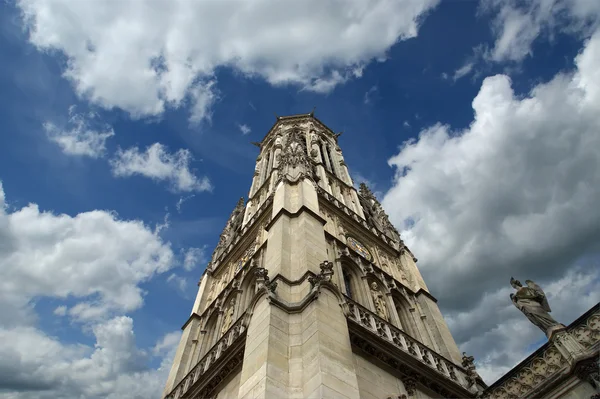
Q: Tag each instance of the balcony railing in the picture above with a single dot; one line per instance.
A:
(369, 320)
(196, 373)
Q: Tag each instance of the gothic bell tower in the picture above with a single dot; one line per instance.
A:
(311, 293)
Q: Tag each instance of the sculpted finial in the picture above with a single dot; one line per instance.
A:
(532, 302)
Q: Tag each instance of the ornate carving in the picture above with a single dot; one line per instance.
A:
(379, 301)
(233, 224)
(471, 374)
(228, 316)
(294, 160)
(375, 214)
(410, 384)
(531, 300)
(263, 281)
(589, 371)
(530, 377)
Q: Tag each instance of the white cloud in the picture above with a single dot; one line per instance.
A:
(148, 55)
(463, 71)
(515, 193)
(193, 257)
(181, 201)
(158, 164)
(92, 257)
(245, 129)
(98, 262)
(84, 136)
(60, 310)
(518, 24)
(179, 283)
(369, 94)
(36, 365)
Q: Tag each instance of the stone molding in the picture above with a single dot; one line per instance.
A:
(300, 210)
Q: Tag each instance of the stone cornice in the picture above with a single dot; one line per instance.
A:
(189, 320)
(421, 291)
(289, 214)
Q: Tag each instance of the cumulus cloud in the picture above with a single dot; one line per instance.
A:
(92, 256)
(35, 365)
(517, 24)
(515, 193)
(83, 135)
(145, 56)
(98, 262)
(158, 164)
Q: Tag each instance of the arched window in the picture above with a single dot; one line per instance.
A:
(348, 283)
(328, 148)
(407, 322)
(210, 334)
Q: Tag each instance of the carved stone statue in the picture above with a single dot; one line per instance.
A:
(531, 300)
(228, 317)
(379, 301)
(468, 364)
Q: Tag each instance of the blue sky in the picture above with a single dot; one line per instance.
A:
(441, 84)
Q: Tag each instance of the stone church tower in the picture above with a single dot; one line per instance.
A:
(311, 293)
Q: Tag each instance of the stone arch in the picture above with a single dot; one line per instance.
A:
(405, 315)
(209, 332)
(248, 289)
(351, 280)
(379, 296)
(229, 311)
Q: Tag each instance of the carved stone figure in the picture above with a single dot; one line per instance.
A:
(379, 301)
(468, 364)
(228, 317)
(531, 300)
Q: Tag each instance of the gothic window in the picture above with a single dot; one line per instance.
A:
(325, 157)
(328, 148)
(267, 165)
(210, 334)
(405, 316)
(348, 283)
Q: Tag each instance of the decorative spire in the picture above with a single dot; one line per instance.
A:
(366, 192)
(377, 216)
(233, 223)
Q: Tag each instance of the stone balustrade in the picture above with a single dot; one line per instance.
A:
(226, 341)
(388, 332)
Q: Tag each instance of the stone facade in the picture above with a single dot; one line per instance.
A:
(311, 293)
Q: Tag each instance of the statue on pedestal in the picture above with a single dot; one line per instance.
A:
(531, 300)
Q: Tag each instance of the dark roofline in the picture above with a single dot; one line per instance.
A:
(581, 319)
